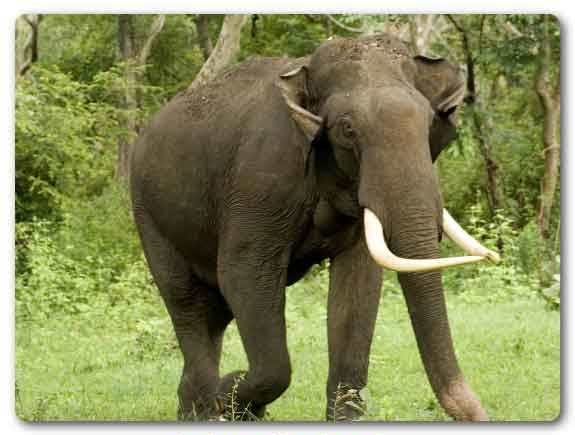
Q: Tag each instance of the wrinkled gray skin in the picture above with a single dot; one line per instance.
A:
(235, 196)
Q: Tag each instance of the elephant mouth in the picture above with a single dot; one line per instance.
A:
(385, 258)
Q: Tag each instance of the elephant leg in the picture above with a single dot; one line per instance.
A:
(252, 276)
(354, 292)
(199, 316)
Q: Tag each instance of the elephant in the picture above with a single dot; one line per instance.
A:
(240, 186)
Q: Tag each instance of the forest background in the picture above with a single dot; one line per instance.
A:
(87, 312)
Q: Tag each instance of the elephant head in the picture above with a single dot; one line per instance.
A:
(376, 118)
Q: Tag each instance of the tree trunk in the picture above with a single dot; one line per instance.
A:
(30, 50)
(134, 59)
(482, 122)
(202, 28)
(225, 51)
(328, 26)
(483, 125)
(126, 43)
(550, 101)
(420, 32)
(341, 25)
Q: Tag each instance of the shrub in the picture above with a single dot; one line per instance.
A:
(520, 273)
(63, 143)
(93, 256)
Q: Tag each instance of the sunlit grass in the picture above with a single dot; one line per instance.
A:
(112, 365)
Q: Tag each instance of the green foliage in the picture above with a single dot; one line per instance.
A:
(176, 56)
(81, 45)
(91, 258)
(551, 292)
(516, 147)
(89, 316)
(495, 283)
(63, 142)
(282, 34)
(506, 50)
(298, 35)
(74, 237)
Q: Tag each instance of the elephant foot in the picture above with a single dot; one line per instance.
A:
(347, 405)
(200, 411)
(459, 401)
(233, 408)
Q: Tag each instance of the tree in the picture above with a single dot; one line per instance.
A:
(226, 50)
(550, 98)
(30, 50)
(423, 29)
(134, 54)
(202, 28)
(472, 33)
(332, 20)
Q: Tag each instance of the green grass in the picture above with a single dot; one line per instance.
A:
(122, 363)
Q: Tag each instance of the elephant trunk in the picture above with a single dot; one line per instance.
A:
(406, 199)
(403, 209)
(423, 292)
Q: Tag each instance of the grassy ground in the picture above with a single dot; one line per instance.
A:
(122, 363)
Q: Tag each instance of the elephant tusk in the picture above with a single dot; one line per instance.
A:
(464, 240)
(385, 258)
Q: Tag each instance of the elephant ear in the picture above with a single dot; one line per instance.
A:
(294, 90)
(443, 84)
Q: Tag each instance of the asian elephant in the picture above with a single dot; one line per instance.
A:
(240, 186)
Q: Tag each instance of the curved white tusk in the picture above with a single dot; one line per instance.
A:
(385, 258)
(464, 240)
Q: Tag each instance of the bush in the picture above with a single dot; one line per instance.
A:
(55, 282)
(63, 143)
(92, 257)
(524, 271)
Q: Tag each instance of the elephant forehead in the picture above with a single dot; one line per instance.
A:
(349, 76)
(340, 49)
(371, 62)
